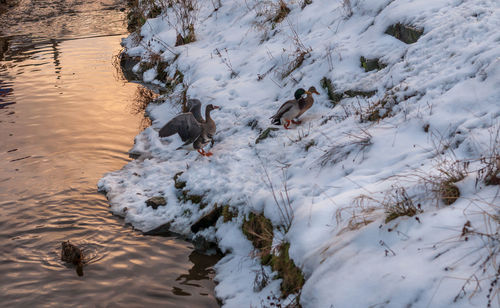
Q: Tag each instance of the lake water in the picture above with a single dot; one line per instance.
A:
(66, 118)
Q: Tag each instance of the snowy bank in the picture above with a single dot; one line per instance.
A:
(387, 194)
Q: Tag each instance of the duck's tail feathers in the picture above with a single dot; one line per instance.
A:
(275, 121)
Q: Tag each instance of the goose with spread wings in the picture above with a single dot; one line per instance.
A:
(192, 128)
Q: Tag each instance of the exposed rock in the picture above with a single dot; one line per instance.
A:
(202, 244)
(178, 183)
(208, 220)
(127, 63)
(405, 33)
(265, 134)
(163, 230)
(156, 201)
(371, 64)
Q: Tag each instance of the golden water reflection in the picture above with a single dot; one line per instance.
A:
(65, 120)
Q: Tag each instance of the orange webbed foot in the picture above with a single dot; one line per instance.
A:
(296, 122)
(203, 153)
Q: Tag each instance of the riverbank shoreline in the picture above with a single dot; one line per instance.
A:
(388, 154)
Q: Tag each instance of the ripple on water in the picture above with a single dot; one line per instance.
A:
(65, 120)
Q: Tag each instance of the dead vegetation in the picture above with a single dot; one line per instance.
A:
(224, 57)
(489, 173)
(281, 199)
(259, 230)
(395, 203)
(300, 52)
(353, 143)
(270, 11)
(382, 108)
(139, 12)
(292, 277)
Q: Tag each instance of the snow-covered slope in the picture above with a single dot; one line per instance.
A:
(435, 113)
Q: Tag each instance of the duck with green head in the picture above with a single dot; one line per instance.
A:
(292, 109)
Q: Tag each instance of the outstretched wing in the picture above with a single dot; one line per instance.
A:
(184, 124)
(194, 106)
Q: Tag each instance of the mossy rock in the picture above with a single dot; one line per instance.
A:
(354, 93)
(326, 83)
(292, 277)
(371, 64)
(259, 230)
(265, 134)
(405, 33)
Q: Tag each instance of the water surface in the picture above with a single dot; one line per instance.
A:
(65, 120)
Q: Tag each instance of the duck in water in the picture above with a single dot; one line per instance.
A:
(72, 254)
(294, 108)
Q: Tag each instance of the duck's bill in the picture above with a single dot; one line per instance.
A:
(315, 92)
(216, 107)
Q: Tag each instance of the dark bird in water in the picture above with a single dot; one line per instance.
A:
(292, 109)
(192, 128)
(72, 254)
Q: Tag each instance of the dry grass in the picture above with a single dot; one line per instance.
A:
(366, 208)
(224, 57)
(490, 172)
(142, 98)
(299, 54)
(281, 199)
(259, 230)
(353, 143)
(346, 8)
(182, 15)
(361, 213)
(398, 203)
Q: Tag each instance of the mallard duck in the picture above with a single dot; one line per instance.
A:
(292, 109)
(72, 254)
(193, 131)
